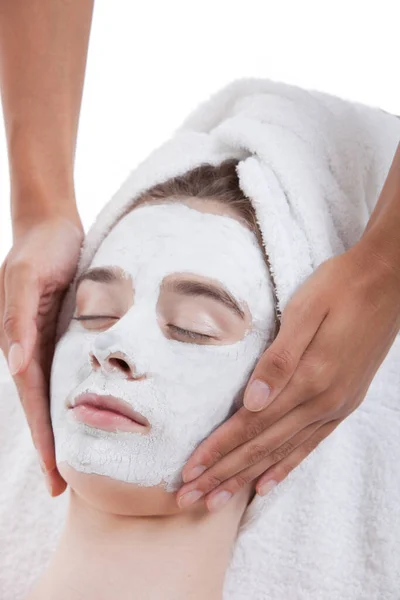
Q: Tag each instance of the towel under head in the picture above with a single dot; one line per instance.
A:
(330, 530)
(313, 166)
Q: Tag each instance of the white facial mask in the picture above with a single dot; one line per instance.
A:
(189, 389)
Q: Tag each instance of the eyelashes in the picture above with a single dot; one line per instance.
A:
(192, 335)
(93, 317)
(96, 322)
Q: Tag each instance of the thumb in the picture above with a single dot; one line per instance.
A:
(21, 301)
(278, 363)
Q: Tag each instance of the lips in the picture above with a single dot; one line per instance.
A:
(108, 413)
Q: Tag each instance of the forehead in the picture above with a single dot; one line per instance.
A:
(157, 240)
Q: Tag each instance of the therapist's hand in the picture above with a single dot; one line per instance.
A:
(335, 332)
(33, 278)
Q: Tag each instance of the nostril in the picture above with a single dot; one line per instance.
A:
(119, 364)
(95, 362)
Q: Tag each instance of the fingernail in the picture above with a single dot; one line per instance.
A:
(189, 498)
(257, 396)
(219, 500)
(193, 473)
(15, 358)
(266, 487)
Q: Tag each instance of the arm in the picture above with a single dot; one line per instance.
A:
(382, 232)
(43, 50)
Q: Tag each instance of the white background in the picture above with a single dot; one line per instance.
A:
(151, 62)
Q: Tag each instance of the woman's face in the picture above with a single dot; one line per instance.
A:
(170, 319)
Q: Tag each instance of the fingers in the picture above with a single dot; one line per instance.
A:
(310, 381)
(19, 306)
(239, 429)
(250, 455)
(56, 484)
(33, 392)
(37, 270)
(234, 484)
(281, 469)
(32, 389)
(300, 321)
(274, 469)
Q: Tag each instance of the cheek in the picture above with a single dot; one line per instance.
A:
(205, 381)
(207, 366)
(70, 366)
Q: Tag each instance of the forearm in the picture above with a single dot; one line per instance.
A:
(382, 233)
(43, 52)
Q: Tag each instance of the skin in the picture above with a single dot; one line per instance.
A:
(116, 298)
(105, 294)
(43, 50)
(336, 331)
(118, 535)
(306, 367)
(102, 554)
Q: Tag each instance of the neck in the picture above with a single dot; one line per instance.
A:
(102, 555)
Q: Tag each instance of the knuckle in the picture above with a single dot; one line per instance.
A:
(281, 362)
(283, 451)
(212, 456)
(313, 386)
(19, 268)
(323, 371)
(10, 320)
(213, 481)
(315, 377)
(254, 428)
(256, 453)
(300, 382)
(335, 403)
(241, 480)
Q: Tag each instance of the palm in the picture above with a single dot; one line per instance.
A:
(34, 277)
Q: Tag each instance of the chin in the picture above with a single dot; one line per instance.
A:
(118, 497)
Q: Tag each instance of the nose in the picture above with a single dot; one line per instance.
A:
(116, 363)
(111, 361)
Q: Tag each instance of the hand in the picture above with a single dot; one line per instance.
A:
(335, 332)
(33, 279)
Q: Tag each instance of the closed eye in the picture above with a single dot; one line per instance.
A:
(194, 335)
(96, 322)
(93, 317)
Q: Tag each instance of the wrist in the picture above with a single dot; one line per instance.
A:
(41, 171)
(38, 208)
(381, 253)
(41, 195)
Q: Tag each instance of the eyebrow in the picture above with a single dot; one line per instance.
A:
(98, 274)
(197, 288)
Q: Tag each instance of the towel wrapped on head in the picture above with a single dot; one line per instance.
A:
(311, 164)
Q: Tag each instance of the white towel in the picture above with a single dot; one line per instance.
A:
(313, 166)
(311, 163)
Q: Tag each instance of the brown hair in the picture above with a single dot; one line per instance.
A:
(219, 183)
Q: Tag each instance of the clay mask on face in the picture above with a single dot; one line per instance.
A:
(188, 388)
